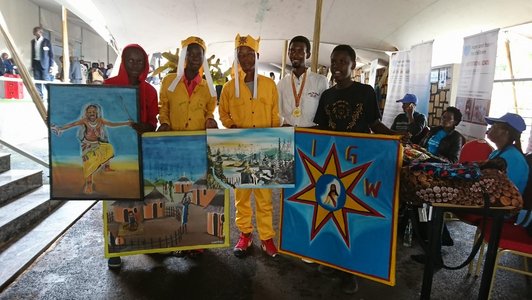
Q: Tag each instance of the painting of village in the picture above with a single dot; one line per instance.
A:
(178, 211)
(251, 158)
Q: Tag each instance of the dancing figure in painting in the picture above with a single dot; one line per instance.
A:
(96, 151)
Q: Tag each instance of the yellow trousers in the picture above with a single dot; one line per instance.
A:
(263, 208)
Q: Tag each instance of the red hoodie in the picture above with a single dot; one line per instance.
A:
(149, 108)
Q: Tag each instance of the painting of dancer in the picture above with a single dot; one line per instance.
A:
(94, 151)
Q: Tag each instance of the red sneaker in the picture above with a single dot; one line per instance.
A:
(269, 247)
(244, 242)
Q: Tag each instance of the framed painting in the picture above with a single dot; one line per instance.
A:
(342, 211)
(94, 152)
(251, 157)
(178, 211)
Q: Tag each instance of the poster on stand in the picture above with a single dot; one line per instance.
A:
(251, 157)
(94, 151)
(342, 211)
(178, 212)
(475, 84)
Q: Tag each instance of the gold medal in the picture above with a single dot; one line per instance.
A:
(297, 112)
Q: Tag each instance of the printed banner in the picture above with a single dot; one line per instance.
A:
(178, 211)
(475, 85)
(251, 158)
(342, 211)
(409, 73)
(94, 151)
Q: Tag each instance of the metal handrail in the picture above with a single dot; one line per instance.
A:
(25, 154)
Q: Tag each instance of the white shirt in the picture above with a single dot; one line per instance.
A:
(315, 85)
(38, 43)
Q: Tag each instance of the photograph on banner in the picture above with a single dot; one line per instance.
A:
(474, 110)
(342, 211)
(94, 150)
(194, 219)
(251, 157)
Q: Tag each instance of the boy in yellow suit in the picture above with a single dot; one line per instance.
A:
(188, 101)
(251, 101)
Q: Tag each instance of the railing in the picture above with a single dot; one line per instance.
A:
(25, 154)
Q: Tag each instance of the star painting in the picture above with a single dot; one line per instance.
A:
(331, 192)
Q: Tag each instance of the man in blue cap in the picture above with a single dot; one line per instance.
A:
(410, 120)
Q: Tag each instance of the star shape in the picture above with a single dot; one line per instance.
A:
(348, 179)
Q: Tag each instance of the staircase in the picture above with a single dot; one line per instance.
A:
(29, 221)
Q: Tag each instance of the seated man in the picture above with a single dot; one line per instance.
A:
(410, 121)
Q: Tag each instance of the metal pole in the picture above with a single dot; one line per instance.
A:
(283, 60)
(316, 37)
(66, 52)
(24, 73)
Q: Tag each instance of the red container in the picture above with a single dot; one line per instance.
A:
(13, 89)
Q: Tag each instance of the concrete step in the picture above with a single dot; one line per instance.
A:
(17, 182)
(5, 162)
(24, 212)
(19, 255)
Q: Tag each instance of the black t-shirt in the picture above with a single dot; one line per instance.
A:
(352, 109)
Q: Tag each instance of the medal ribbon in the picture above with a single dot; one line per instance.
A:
(297, 95)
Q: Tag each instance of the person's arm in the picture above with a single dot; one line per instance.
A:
(417, 124)
(117, 124)
(58, 130)
(455, 147)
(276, 120)
(50, 56)
(152, 109)
(210, 122)
(225, 115)
(378, 127)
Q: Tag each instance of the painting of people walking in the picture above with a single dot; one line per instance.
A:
(342, 211)
(251, 158)
(94, 150)
(178, 212)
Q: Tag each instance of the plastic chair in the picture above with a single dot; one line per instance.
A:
(514, 240)
(474, 151)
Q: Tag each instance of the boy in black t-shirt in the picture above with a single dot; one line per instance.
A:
(348, 106)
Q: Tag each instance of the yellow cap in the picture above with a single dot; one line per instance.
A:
(247, 41)
(193, 40)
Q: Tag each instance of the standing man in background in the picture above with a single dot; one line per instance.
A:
(42, 57)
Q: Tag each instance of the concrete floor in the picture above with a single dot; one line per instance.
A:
(74, 268)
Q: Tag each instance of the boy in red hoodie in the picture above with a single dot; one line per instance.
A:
(133, 72)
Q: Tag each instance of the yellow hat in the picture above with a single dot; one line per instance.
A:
(247, 41)
(193, 40)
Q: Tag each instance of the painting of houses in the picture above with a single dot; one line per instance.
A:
(251, 158)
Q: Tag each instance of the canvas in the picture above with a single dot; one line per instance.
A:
(178, 211)
(94, 151)
(342, 211)
(251, 158)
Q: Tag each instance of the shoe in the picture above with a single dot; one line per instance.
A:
(269, 247)
(195, 253)
(114, 263)
(325, 270)
(244, 242)
(422, 259)
(349, 284)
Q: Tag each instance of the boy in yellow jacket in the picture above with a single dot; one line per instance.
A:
(251, 101)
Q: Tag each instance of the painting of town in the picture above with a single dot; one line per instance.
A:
(94, 151)
(251, 158)
(178, 211)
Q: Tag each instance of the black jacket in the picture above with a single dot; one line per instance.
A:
(450, 145)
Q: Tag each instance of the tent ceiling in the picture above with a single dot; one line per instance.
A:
(370, 26)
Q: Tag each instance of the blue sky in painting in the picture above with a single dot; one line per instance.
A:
(172, 157)
(67, 103)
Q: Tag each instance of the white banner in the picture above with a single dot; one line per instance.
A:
(409, 73)
(398, 78)
(476, 82)
(373, 72)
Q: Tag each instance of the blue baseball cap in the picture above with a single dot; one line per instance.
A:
(514, 120)
(408, 98)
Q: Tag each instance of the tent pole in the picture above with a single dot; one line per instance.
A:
(66, 52)
(283, 60)
(26, 78)
(509, 57)
(316, 37)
